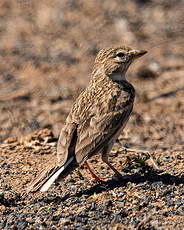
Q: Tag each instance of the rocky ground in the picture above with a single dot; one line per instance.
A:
(47, 52)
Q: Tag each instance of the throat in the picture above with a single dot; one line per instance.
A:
(118, 77)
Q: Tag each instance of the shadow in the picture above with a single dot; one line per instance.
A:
(150, 177)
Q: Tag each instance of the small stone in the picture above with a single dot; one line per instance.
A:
(10, 140)
(167, 159)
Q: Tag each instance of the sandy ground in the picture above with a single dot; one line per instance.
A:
(47, 52)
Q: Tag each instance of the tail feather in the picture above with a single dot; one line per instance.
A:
(47, 177)
(54, 177)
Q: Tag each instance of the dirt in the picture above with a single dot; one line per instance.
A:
(47, 52)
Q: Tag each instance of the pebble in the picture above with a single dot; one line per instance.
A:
(167, 159)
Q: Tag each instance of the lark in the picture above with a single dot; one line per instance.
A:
(96, 119)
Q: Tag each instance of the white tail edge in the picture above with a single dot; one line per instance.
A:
(54, 177)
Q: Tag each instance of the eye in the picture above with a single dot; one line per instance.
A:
(121, 55)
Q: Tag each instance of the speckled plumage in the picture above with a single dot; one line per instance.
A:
(98, 115)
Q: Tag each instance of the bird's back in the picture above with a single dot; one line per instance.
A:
(98, 113)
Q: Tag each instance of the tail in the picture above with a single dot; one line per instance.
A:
(48, 176)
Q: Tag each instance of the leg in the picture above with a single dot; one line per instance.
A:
(105, 153)
(96, 178)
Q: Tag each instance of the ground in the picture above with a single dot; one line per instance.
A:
(47, 52)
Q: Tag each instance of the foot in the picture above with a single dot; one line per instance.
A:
(117, 174)
(94, 176)
(98, 179)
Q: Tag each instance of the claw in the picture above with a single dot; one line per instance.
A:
(98, 179)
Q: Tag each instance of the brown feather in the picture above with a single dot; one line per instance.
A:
(66, 142)
(99, 114)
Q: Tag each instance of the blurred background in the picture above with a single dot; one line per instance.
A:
(47, 50)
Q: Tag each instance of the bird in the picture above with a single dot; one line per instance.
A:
(96, 119)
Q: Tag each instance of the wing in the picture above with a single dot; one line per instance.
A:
(95, 132)
(67, 141)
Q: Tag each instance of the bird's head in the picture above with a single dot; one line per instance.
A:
(114, 62)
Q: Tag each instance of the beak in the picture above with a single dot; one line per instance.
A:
(134, 54)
